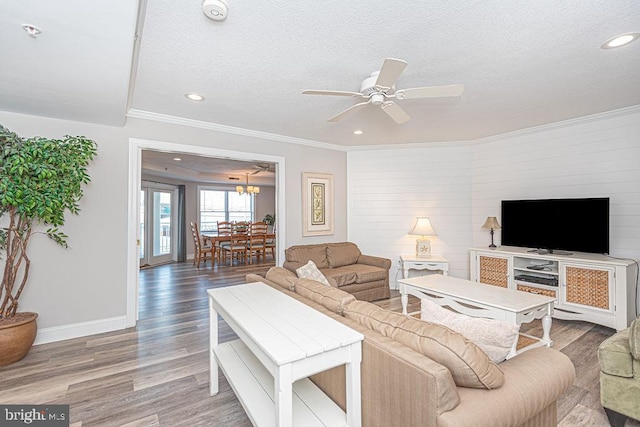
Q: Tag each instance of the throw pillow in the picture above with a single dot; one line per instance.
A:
(310, 271)
(494, 337)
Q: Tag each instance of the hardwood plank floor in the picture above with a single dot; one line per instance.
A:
(156, 374)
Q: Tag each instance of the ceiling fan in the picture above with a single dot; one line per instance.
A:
(379, 89)
(263, 168)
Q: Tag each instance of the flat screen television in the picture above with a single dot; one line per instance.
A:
(580, 225)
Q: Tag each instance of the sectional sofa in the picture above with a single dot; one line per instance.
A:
(456, 385)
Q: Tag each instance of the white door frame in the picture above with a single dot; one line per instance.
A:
(136, 146)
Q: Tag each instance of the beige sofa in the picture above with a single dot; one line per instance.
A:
(364, 276)
(403, 387)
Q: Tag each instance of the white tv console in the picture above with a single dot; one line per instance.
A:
(591, 287)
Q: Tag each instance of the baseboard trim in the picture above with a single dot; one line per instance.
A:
(76, 330)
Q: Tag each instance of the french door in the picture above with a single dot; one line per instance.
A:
(158, 224)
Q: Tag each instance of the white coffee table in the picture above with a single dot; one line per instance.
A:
(282, 342)
(480, 300)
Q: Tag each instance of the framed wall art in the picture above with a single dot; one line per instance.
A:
(317, 204)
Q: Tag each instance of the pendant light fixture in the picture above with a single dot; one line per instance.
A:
(249, 189)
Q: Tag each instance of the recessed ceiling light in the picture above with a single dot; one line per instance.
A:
(358, 132)
(620, 40)
(194, 96)
(177, 159)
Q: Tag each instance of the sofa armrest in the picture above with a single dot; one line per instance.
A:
(375, 261)
(534, 380)
(251, 278)
(634, 338)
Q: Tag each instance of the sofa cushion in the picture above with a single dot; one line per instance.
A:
(342, 275)
(329, 297)
(310, 271)
(615, 355)
(373, 317)
(341, 254)
(304, 253)
(368, 273)
(282, 277)
(494, 337)
(469, 365)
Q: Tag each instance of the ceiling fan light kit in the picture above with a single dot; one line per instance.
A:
(379, 89)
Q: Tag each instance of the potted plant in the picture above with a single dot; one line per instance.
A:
(270, 220)
(40, 179)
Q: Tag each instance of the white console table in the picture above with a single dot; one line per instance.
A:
(282, 342)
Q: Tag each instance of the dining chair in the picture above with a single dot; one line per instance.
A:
(270, 244)
(236, 245)
(201, 249)
(225, 228)
(256, 241)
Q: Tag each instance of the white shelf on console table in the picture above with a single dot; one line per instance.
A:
(282, 342)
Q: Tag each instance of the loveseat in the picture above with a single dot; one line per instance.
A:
(619, 357)
(401, 386)
(366, 277)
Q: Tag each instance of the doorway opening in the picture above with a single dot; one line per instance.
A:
(135, 226)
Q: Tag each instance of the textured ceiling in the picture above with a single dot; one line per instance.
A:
(523, 64)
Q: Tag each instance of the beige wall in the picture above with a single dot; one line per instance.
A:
(84, 289)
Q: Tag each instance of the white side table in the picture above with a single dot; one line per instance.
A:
(434, 263)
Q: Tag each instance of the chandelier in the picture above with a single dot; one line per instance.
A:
(250, 189)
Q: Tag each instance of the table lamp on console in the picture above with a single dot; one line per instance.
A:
(422, 227)
(492, 224)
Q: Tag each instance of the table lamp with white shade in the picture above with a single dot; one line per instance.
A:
(422, 227)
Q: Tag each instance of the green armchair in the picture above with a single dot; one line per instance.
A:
(619, 357)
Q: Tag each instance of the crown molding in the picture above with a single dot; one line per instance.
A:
(634, 109)
(146, 115)
(164, 118)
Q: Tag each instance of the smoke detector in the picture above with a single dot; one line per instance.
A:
(215, 9)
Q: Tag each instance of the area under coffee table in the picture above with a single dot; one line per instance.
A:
(480, 300)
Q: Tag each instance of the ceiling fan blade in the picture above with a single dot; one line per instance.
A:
(390, 71)
(330, 92)
(430, 92)
(395, 112)
(347, 111)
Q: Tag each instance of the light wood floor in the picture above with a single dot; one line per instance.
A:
(157, 373)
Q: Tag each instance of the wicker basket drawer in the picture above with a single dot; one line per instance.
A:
(494, 271)
(538, 291)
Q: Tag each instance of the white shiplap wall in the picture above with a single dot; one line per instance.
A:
(589, 158)
(458, 185)
(388, 189)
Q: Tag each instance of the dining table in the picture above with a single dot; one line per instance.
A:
(213, 238)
